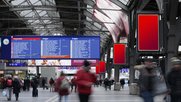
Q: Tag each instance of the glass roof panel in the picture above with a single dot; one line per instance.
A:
(39, 11)
(90, 10)
(42, 13)
(125, 2)
(22, 13)
(118, 17)
(97, 25)
(16, 2)
(24, 4)
(31, 14)
(89, 19)
(33, 1)
(46, 21)
(39, 23)
(37, 3)
(113, 29)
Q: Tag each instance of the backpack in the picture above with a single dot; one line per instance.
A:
(64, 84)
(9, 82)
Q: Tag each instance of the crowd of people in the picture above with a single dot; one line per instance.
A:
(84, 79)
(81, 83)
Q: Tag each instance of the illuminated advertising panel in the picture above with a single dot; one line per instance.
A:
(148, 32)
(119, 54)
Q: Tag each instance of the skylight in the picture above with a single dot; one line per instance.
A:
(36, 16)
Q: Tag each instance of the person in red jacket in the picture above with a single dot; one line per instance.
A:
(61, 87)
(84, 81)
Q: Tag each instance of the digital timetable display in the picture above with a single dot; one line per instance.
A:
(50, 47)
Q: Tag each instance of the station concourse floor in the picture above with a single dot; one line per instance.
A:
(99, 95)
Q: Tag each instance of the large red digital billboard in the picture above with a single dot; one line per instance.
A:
(148, 32)
(119, 54)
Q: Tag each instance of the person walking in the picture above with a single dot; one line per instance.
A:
(16, 87)
(9, 83)
(73, 85)
(34, 84)
(146, 80)
(51, 82)
(174, 80)
(106, 83)
(43, 83)
(62, 87)
(122, 82)
(84, 80)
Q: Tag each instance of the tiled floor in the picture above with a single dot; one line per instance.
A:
(99, 95)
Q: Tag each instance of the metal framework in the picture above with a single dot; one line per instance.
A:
(43, 17)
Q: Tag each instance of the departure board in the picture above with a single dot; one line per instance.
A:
(50, 47)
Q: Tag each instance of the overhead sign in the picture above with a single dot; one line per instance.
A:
(50, 47)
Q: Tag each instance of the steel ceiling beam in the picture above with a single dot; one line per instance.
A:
(121, 5)
(48, 18)
(69, 29)
(50, 7)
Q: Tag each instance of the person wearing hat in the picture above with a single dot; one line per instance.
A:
(174, 80)
(84, 81)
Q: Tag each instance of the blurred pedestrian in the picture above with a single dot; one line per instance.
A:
(122, 82)
(34, 84)
(16, 87)
(9, 85)
(174, 80)
(43, 83)
(73, 84)
(62, 87)
(51, 82)
(146, 80)
(27, 83)
(85, 79)
(106, 83)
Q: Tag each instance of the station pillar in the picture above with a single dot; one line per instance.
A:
(117, 85)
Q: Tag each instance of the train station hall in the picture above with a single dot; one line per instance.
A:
(90, 51)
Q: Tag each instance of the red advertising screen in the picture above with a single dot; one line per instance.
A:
(102, 66)
(119, 54)
(97, 69)
(148, 32)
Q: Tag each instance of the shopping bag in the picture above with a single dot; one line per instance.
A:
(159, 84)
(4, 93)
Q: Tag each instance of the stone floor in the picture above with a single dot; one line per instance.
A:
(99, 95)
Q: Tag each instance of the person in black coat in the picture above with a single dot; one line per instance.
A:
(122, 82)
(16, 87)
(174, 81)
(34, 84)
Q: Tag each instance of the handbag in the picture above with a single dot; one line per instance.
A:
(159, 84)
(4, 93)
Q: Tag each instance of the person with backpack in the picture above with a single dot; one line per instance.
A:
(84, 80)
(9, 83)
(16, 87)
(62, 87)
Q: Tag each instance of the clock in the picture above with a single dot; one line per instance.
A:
(6, 41)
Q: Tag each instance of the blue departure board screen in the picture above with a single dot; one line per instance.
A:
(50, 47)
